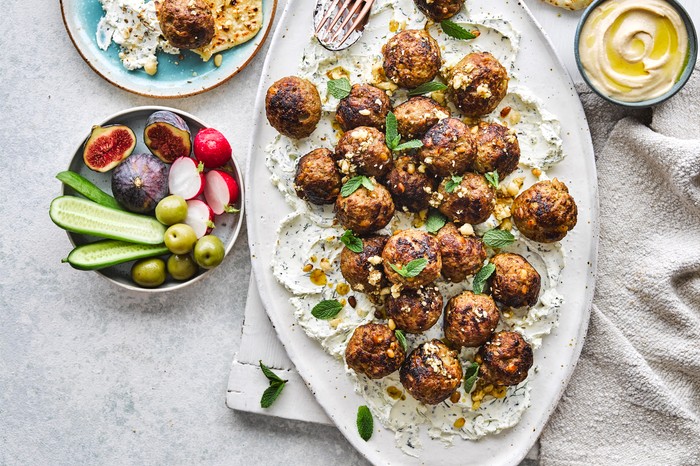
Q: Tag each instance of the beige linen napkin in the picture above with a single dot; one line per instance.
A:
(634, 398)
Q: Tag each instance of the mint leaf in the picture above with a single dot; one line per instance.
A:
(270, 395)
(481, 277)
(327, 309)
(492, 178)
(271, 376)
(392, 133)
(470, 376)
(412, 269)
(412, 144)
(452, 183)
(426, 88)
(497, 239)
(365, 423)
(402, 339)
(354, 183)
(351, 241)
(436, 220)
(455, 30)
(339, 88)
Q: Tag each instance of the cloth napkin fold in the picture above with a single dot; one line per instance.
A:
(634, 398)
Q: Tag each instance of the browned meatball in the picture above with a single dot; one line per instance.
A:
(317, 178)
(186, 24)
(409, 245)
(432, 372)
(365, 106)
(505, 360)
(497, 149)
(545, 212)
(470, 201)
(408, 186)
(449, 148)
(415, 310)
(365, 211)
(461, 256)
(364, 271)
(417, 115)
(363, 151)
(373, 350)
(293, 107)
(411, 58)
(470, 319)
(477, 84)
(437, 10)
(515, 282)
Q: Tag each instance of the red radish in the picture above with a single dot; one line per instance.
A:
(220, 192)
(211, 148)
(186, 178)
(200, 217)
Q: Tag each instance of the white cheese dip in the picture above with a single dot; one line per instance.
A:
(307, 254)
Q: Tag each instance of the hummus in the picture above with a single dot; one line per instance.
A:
(633, 50)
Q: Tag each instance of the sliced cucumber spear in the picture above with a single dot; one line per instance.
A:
(90, 218)
(110, 252)
(85, 187)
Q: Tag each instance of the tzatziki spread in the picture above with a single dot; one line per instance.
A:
(307, 253)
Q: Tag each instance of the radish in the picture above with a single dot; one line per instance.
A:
(200, 217)
(211, 148)
(186, 178)
(220, 192)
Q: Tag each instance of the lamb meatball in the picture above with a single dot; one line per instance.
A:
(461, 256)
(505, 359)
(293, 107)
(411, 58)
(408, 186)
(515, 282)
(373, 350)
(471, 201)
(417, 115)
(470, 319)
(365, 211)
(437, 10)
(545, 212)
(365, 106)
(449, 148)
(415, 310)
(497, 149)
(363, 151)
(431, 373)
(317, 178)
(406, 246)
(477, 84)
(364, 271)
(186, 24)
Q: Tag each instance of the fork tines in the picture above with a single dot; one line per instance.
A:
(340, 19)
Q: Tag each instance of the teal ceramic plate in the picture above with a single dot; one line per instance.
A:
(188, 77)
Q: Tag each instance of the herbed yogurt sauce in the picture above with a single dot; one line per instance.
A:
(308, 241)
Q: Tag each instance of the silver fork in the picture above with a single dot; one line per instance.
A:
(339, 23)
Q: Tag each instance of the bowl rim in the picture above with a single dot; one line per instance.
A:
(239, 179)
(677, 86)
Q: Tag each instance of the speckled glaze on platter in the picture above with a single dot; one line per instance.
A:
(189, 76)
(228, 226)
(538, 66)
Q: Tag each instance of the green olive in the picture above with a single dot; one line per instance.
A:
(148, 273)
(209, 251)
(171, 210)
(180, 238)
(182, 266)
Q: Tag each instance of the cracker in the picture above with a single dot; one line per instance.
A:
(235, 21)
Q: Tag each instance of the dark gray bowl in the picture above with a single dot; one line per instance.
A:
(685, 76)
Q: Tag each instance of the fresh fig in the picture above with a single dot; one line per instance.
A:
(140, 182)
(107, 146)
(167, 136)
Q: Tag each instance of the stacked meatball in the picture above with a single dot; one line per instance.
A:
(366, 182)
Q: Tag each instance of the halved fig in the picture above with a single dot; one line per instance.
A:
(107, 146)
(167, 136)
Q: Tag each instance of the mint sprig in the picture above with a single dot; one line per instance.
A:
(435, 221)
(492, 178)
(354, 183)
(481, 277)
(339, 88)
(412, 269)
(393, 138)
(365, 423)
(498, 239)
(452, 183)
(326, 309)
(273, 391)
(402, 339)
(351, 241)
(453, 29)
(426, 88)
(470, 376)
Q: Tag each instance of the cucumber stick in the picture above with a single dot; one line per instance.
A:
(90, 218)
(85, 187)
(109, 252)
